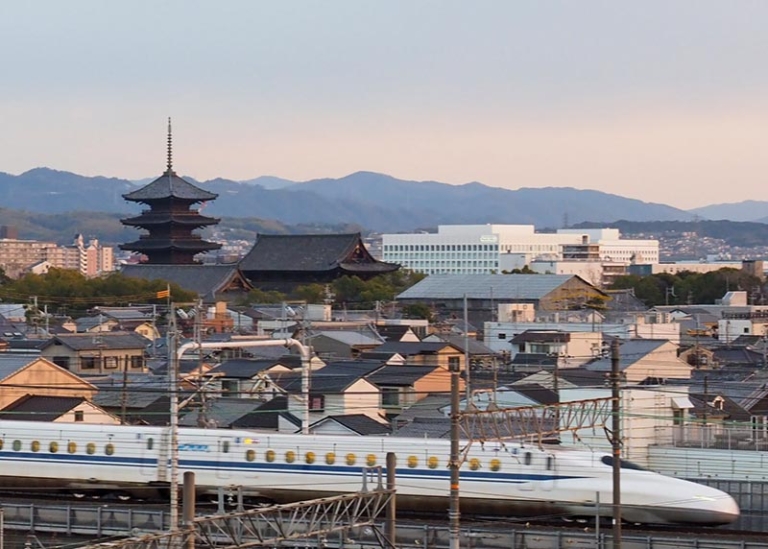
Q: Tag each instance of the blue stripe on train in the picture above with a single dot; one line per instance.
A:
(234, 468)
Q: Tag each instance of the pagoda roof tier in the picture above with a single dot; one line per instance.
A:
(154, 244)
(169, 185)
(164, 218)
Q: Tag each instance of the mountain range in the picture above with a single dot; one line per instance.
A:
(375, 201)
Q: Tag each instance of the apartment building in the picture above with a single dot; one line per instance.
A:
(92, 259)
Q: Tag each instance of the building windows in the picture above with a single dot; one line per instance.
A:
(79, 416)
(454, 363)
(89, 362)
(137, 362)
(390, 397)
(316, 403)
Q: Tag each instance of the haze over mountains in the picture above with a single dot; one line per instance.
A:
(376, 201)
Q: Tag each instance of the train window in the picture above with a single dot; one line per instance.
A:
(370, 460)
(351, 459)
(16, 445)
(527, 458)
(550, 460)
(35, 445)
(474, 464)
(290, 456)
(624, 464)
(250, 455)
(495, 464)
(413, 462)
(72, 447)
(432, 462)
(109, 449)
(53, 447)
(225, 446)
(309, 457)
(330, 458)
(150, 443)
(90, 448)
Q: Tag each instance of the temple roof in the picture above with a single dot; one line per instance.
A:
(205, 280)
(312, 252)
(170, 185)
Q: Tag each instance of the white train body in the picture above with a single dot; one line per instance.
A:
(508, 480)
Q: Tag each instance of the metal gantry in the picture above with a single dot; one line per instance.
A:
(527, 422)
(271, 526)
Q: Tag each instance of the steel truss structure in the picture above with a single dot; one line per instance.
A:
(534, 422)
(270, 526)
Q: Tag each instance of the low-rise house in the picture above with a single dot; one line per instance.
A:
(397, 333)
(57, 409)
(247, 378)
(22, 375)
(645, 359)
(336, 389)
(426, 353)
(97, 354)
(344, 343)
(403, 386)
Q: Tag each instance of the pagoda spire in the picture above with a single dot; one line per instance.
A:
(169, 167)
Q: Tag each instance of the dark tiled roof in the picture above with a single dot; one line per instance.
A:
(396, 375)
(222, 412)
(737, 355)
(169, 185)
(536, 392)
(475, 347)
(40, 408)
(539, 336)
(537, 359)
(359, 423)
(393, 333)
(332, 378)
(311, 252)
(11, 364)
(178, 243)
(163, 218)
(630, 352)
(242, 368)
(408, 348)
(100, 340)
(205, 280)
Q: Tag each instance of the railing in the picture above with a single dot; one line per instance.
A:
(721, 437)
(83, 520)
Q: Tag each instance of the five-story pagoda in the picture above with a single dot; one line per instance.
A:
(170, 220)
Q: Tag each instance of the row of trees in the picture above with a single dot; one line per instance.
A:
(688, 287)
(347, 291)
(68, 291)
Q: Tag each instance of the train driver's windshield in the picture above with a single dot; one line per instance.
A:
(624, 464)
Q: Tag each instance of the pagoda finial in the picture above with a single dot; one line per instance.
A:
(170, 147)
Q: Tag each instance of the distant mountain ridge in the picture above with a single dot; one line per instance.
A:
(375, 201)
(748, 210)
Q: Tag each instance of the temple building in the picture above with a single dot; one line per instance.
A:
(170, 219)
(282, 262)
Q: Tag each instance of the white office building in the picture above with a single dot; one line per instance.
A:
(466, 249)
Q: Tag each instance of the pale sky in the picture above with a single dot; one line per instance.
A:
(662, 100)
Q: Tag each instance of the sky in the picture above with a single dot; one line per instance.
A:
(659, 100)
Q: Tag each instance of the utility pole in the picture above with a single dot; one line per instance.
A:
(467, 373)
(453, 511)
(616, 442)
(173, 380)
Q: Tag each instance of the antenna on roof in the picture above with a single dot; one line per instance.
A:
(170, 147)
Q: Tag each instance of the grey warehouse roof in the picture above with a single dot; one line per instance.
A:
(485, 286)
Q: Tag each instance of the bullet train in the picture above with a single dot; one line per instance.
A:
(509, 479)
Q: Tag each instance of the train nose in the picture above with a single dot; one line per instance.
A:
(716, 511)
